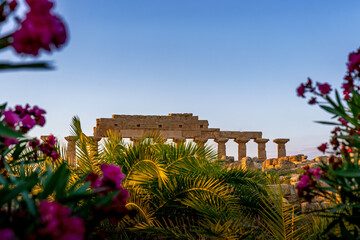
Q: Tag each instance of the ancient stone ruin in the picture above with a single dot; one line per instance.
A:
(179, 127)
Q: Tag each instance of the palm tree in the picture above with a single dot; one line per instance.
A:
(178, 190)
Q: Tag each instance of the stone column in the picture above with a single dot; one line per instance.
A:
(179, 140)
(241, 147)
(261, 147)
(281, 150)
(221, 147)
(200, 141)
(71, 150)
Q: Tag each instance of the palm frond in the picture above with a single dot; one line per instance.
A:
(282, 220)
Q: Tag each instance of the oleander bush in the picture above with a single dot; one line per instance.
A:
(341, 176)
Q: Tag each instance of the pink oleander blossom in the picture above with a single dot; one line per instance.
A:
(12, 5)
(37, 111)
(22, 111)
(312, 101)
(112, 174)
(34, 143)
(28, 122)
(58, 223)
(354, 61)
(323, 147)
(11, 118)
(39, 30)
(304, 181)
(51, 140)
(10, 141)
(301, 90)
(343, 122)
(7, 234)
(94, 179)
(324, 88)
(54, 155)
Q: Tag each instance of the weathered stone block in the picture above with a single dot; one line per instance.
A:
(247, 163)
(286, 164)
(230, 158)
(322, 159)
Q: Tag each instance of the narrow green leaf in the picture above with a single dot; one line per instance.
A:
(6, 131)
(339, 100)
(352, 173)
(29, 202)
(52, 181)
(105, 200)
(32, 65)
(328, 123)
(331, 110)
(2, 107)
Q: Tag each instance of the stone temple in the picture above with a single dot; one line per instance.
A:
(179, 127)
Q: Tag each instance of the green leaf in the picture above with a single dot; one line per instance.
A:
(2, 107)
(10, 194)
(54, 182)
(3, 180)
(328, 123)
(32, 65)
(105, 200)
(352, 173)
(6, 131)
(331, 110)
(339, 100)
(29, 202)
(4, 41)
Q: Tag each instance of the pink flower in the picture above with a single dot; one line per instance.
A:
(10, 141)
(324, 88)
(40, 121)
(22, 111)
(94, 179)
(28, 122)
(318, 172)
(304, 181)
(309, 83)
(112, 174)
(39, 30)
(7, 234)
(12, 5)
(34, 143)
(58, 222)
(54, 155)
(11, 118)
(301, 90)
(122, 196)
(312, 101)
(51, 140)
(354, 62)
(40, 7)
(343, 122)
(36, 111)
(347, 87)
(322, 147)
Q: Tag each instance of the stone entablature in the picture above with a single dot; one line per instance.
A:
(178, 127)
(173, 126)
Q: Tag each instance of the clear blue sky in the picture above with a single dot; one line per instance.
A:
(235, 63)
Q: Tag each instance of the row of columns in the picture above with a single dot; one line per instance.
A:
(281, 150)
